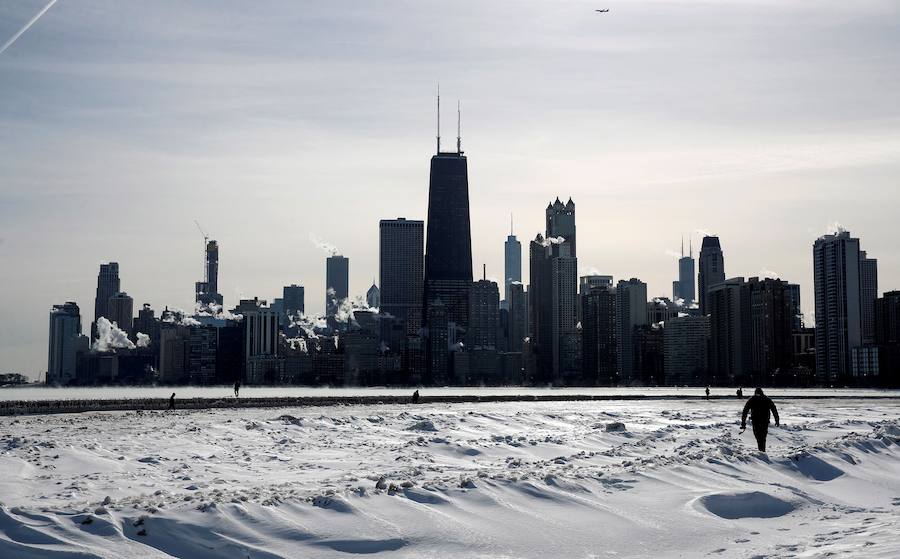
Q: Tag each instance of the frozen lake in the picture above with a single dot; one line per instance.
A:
(96, 393)
(663, 478)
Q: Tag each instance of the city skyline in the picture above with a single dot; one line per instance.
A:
(63, 212)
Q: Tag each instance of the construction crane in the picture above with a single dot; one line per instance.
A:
(205, 243)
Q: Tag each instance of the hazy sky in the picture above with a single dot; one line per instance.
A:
(122, 122)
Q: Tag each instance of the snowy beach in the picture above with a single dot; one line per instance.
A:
(536, 479)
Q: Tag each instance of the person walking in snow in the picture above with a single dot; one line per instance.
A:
(237, 387)
(172, 401)
(740, 393)
(415, 397)
(758, 406)
(707, 393)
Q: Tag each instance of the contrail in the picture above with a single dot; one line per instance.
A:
(25, 28)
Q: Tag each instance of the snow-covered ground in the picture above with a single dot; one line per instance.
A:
(551, 479)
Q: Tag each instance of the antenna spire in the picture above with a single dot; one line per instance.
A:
(511, 224)
(439, 118)
(682, 246)
(458, 129)
(484, 272)
(691, 246)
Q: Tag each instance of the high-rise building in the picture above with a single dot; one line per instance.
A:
(598, 333)
(337, 283)
(293, 297)
(712, 269)
(793, 293)
(684, 287)
(836, 274)
(631, 313)
(207, 291)
(868, 292)
(260, 342)
(512, 250)
(481, 337)
(728, 306)
(65, 339)
(146, 323)
(448, 248)
(107, 285)
(561, 222)
(517, 305)
(887, 318)
(120, 309)
(685, 344)
(401, 271)
(771, 328)
(373, 297)
(661, 309)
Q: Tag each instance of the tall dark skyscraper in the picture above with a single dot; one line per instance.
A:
(121, 310)
(598, 331)
(631, 315)
(207, 291)
(107, 286)
(294, 300)
(868, 292)
(712, 269)
(448, 249)
(685, 287)
(512, 250)
(401, 271)
(65, 334)
(561, 222)
(836, 274)
(337, 283)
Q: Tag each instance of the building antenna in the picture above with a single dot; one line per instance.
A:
(458, 129)
(484, 272)
(439, 118)
(691, 246)
(511, 234)
(682, 246)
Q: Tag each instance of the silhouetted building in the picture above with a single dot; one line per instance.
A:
(598, 334)
(121, 311)
(684, 287)
(685, 345)
(438, 344)
(728, 305)
(373, 297)
(484, 309)
(147, 323)
(207, 291)
(517, 321)
(512, 262)
(261, 334)
(401, 273)
(649, 360)
(712, 269)
(793, 294)
(64, 343)
(887, 318)
(836, 271)
(107, 285)
(661, 309)
(337, 283)
(561, 223)
(771, 327)
(868, 292)
(294, 301)
(202, 348)
(631, 313)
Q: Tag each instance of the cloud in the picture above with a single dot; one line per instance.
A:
(704, 233)
(110, 337)
(769, 274)
(835, 228)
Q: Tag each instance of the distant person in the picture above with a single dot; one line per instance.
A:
(707, 393)
(759, 405)
(172, 401)
(237, 387)
(415, 397)
(740, 393)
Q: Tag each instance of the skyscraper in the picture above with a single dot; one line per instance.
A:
(728, 305)
(598, 333)
(337, 283)
(512, 261)
(448, 249)
(685, 344)
(771, 327)
(207, 291)
(121, 310)
(712, 269)
(293, 297)
(684, 287)
(836, 274)
(401, 270)
(517, 305)
(561, 222)
(373, 296)
(631, 313)
(868, 292)
(484, 325)
(65, 334)
(107, 286)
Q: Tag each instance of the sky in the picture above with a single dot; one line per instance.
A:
(272, 123)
